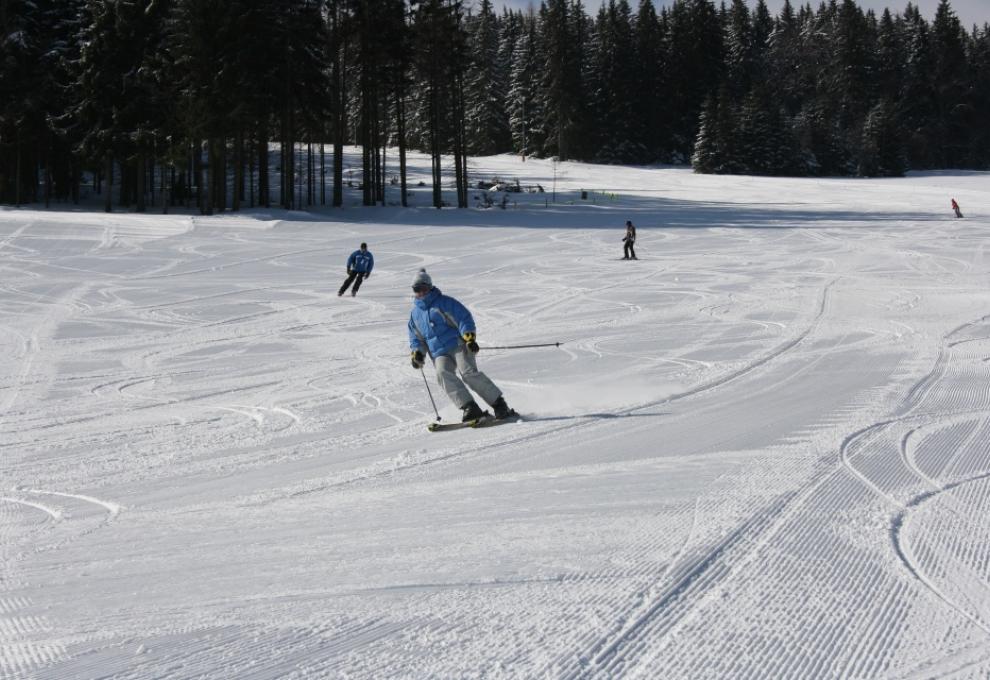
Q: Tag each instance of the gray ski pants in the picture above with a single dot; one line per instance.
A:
(462, 361)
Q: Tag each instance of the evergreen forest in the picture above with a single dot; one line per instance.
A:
(159, 103)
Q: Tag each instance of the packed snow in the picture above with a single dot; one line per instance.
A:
(762, 449)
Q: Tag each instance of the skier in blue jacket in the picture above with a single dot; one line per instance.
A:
(443, 328)
(359, 266)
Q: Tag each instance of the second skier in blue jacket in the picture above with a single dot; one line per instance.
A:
(359, 266)
(443, 328)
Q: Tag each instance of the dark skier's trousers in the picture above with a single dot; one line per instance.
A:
(357, 278)
(628, 250)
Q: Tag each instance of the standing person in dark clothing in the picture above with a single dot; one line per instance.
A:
(629, 240)
(955, 208)
(359, 266)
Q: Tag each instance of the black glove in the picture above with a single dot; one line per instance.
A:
(367, 275)
(472, 345)
(349, 272)
(418, 359)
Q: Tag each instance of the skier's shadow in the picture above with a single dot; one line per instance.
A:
(594, 416)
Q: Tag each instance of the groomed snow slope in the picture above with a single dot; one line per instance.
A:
(762, 451)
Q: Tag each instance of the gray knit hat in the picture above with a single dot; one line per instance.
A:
(422, 278)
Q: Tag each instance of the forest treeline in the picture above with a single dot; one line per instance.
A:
(183, 101)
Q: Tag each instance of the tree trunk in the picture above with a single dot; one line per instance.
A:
(123, 194)
(283, 160)
(167, 177)
(290, 162)
(400, 108)
(367, 179)
(108, 173)
(205, 206)
(76, 179)
(140, 177)
(17, 171)
(151, 179)
(264, 186)
(337, 45)
(238, 171)
(220, 175)
(48, 174)
(436, 152)
(461, 143)
(309, 173)
(382, 179)
(250, 182)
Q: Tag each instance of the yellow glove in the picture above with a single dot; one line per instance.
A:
(469, 340)
(417, 359)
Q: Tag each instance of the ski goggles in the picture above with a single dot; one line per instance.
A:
(421, 287)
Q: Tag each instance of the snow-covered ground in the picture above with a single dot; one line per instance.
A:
(763, 450)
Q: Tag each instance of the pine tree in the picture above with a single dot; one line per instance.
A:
(61, 25)
(145, 105)
(890, 58)
(33, 44)
(918, 98)
(766, 143)
(16, 53)
(561, 81)
(695, 64)
(851, 75)
(822, 140)
(785, 60)
(487, 123)
(508, 32)
(174, 94)
(979, 152)
(763, 28)
(440, 50)
(99, 95)
(198, 35)
(718, 147)
(881, 151)
(739, 49)
(729, 142)
(257, 87)
(649, 117)
(951, 80)
(615, 65)
(524, 102)
(398, 38)
(706, 156)
(338, 21)
(370, 64)
(583, 116)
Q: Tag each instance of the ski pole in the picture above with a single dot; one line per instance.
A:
(546, 344)
(429, 392)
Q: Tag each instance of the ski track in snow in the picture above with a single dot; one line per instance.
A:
(29, 639)
(761, 451)
(939, 405)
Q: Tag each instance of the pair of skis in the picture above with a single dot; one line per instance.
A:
(487, 420)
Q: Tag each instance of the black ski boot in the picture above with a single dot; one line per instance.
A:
(502, 409)
(471, 412)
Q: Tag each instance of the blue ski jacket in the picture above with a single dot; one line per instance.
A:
(362, 262)
(437, 323)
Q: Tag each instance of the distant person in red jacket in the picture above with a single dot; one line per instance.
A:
(955, 207)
